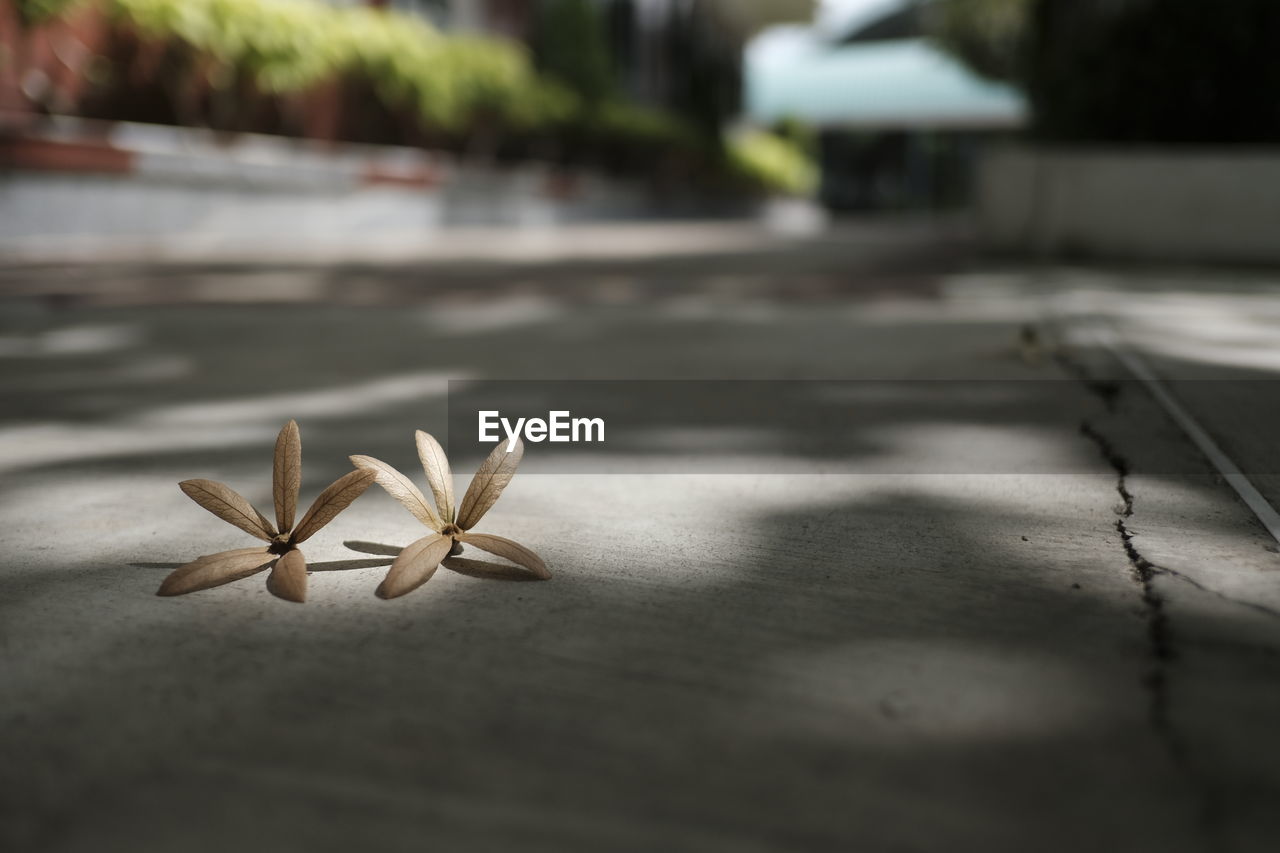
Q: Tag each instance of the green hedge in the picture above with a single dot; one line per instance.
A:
(288, 46)
(32, 12)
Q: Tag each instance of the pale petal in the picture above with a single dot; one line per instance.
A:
(488, 483)
(332, 501)
(415, 565)
(215, 570)
(439, 476)
(288, 578)
(286, 475)
(513, 551)
(401, 488)
(227, 504)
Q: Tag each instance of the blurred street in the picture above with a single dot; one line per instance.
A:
(1065, 638)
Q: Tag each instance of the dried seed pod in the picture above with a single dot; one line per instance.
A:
(288, 579)
(418, 562)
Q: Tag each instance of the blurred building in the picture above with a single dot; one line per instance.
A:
(899, 121)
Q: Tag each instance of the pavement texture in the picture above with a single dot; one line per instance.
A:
(1069, 640)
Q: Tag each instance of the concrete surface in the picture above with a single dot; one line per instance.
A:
(165, 190)
(979, 660)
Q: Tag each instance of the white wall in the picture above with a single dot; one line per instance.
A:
(1217, 205)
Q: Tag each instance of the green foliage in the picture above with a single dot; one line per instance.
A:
(772, 163)
(571, 47)
(619, 119)
(987, 35)
(287, 46)
(798, 133)
(381, 76)
(403, 58)
(283, 45)
(496, 79)
(33, 12)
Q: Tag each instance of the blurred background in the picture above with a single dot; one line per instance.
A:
(157, 125)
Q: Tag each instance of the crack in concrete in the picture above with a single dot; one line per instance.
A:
(1160, 637)
(1160, 640)
(1144, 574)
(1108, 391)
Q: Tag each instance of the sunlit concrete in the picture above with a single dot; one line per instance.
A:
(887, 657)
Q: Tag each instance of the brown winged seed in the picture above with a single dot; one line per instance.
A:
(452, 525)
(288, 578)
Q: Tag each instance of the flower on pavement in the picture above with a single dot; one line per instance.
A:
(451, 525)
(288, 578)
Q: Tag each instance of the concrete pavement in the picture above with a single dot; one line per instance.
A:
(987, 659)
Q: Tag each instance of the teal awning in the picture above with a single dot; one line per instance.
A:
(900, 84)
